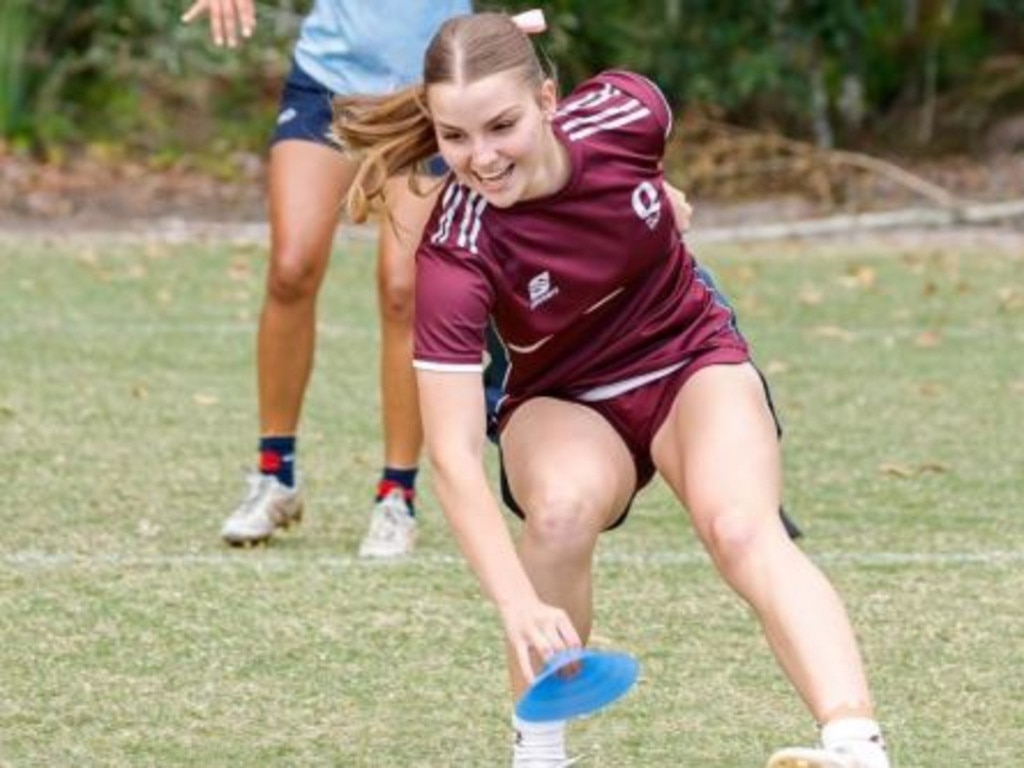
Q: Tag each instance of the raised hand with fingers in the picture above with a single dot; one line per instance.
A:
(228, 19)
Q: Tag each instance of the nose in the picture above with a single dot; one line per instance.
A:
(483, 154)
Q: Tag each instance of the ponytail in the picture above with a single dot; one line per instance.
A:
(390, 135)
(394, 134)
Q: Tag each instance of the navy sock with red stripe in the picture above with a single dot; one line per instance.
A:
(399, 478)
(277, 458)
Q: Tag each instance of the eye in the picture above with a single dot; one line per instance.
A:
(503, 125)
(452, 137)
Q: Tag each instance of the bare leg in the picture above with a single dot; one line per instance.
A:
(307, 183)
(573, 476)
(718, 452)
(392, 531)
(396, 271)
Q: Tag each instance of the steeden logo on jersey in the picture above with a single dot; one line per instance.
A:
(541, 289)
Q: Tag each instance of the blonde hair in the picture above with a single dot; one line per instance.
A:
(394, 134)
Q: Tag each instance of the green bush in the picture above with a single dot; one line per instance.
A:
(831, 70)
(129, 70)
(836, 71)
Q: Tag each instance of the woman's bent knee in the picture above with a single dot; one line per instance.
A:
(562, 522)
(733, 537)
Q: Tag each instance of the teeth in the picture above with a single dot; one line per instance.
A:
(494, 176)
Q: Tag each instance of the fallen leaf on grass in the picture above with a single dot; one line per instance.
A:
(1010, 299)
(833, 332)
(862, 277)
(928, 339)
(239, 269)
(929, 389)
(913, 470)
(811, 296)
(203, 399)
(87, 257)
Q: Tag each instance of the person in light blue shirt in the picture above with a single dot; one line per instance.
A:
(344, 47)
(369, 46)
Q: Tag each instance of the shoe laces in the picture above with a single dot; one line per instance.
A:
(256, 481)
(390, 516)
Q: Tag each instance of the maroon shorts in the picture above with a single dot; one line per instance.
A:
(637, 415)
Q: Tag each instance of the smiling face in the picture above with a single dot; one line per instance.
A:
(495, 134)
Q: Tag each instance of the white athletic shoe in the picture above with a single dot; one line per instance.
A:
(268, 505)
(392, 531)
(806, 757)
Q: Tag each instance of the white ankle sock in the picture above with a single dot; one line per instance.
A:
(539, 741)
(858, 736)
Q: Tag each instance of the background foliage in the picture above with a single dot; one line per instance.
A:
(906, 74)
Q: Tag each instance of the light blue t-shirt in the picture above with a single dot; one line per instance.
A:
(370, 46)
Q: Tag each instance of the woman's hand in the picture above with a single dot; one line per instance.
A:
(681, 208)
(543, 629)
(227, 18)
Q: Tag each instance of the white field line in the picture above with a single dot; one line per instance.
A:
(127, 327)
(263, 558)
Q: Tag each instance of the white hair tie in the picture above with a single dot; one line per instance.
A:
(532, 22)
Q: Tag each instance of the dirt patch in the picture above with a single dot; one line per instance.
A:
(98, 194)
(90, 193)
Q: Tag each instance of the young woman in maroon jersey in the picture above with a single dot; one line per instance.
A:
(556, 226)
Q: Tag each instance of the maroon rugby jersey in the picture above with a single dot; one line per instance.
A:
(589, 287)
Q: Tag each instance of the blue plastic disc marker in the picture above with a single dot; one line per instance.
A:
(576, 683)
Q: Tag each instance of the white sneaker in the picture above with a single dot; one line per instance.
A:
(392, 530)
(806, 757)
(268, 505)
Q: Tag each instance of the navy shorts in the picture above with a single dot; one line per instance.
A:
(305, 112)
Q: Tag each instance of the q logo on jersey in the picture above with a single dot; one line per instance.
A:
(647, 203)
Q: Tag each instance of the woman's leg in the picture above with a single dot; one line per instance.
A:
(572, 476)
(307, 182)
(719, 453)
(392, 530)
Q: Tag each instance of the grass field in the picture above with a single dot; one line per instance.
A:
(129, 636)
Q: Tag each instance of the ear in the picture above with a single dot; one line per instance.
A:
(548, 97)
